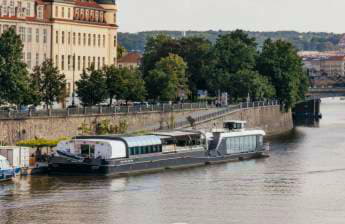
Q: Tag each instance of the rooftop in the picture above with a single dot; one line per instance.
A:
(132, 57)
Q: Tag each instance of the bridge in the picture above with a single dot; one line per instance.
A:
(325, 92)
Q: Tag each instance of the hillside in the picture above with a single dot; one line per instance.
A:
(303, 41)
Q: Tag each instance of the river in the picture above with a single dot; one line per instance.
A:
(302, 182)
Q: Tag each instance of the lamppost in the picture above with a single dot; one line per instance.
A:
(73, 92)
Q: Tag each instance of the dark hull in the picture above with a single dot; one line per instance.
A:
(144, 165)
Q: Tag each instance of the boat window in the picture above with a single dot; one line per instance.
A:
(87, 150)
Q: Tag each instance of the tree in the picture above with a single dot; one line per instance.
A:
(247, 82)
(195, 52)
(156, 48)
(235, 51)
(124, 83)
(91, 88)
(121, 51)
(280, 63)
(114, 82)
(47, 83)
(134, 85)
(168, 81)
(14, 83)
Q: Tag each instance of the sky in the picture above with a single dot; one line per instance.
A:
(251, 15)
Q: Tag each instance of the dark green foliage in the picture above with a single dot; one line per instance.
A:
(280, 63)
(14, 83)
(47, 84)
(193, 50)
(123, 83)
(91, 88)
(168, 81)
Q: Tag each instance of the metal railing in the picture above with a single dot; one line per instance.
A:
(102, 110)
(229, 109)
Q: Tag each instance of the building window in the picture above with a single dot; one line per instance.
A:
(69, 62)
(84, 59)
(115, 40)
(69, 13)
(39, 12)
(62, 62)
(88, 61)
(99, 40)
(44, 35)
(94, 40)
(98, 63)
(96, 16)
(37, 35)
(57, 37)
(28, 56)
(84, 39)
(29, 34)
(44, 56)
(103, 40)
(63, 12)
(28, 9)
(57, 61)
(94, 61)
(78, 63)
(73, 38)
(79, 38)
(89, 40)
(21, 32)
(76, 13)
(103, 63)
(56, 11)
(69, 38)
(63, 37)
(37, 59)
(81, 14)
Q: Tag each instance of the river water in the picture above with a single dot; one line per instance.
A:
(302, 182)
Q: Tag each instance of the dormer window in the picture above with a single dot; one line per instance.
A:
(86, 14)
(101, 17)
(76, 13)
(92, 15)
(81, 14)
(40, 12)
(96, 16)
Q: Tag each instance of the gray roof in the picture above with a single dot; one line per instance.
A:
(142, 140)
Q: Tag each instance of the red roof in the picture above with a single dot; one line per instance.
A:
(132, 57)
(88, 4)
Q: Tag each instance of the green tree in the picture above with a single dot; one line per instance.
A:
(91, 88)
(114, 82)
(168, 80)
(121, 51)
(124, 83)
(235, 51)
(14, 79)
(156, 48)
(195, 52)
(248, 82)
(134, 85)
(281, 64)
(47, 83)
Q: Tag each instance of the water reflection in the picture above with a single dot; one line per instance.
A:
(302, 182)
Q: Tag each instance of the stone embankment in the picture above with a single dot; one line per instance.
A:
(267, 116)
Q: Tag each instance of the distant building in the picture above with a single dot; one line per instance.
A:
(333, 66)
(131, 60)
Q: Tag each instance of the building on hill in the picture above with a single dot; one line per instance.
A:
(131, 60)
(73, 33)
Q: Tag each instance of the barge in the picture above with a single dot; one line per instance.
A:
(125, 155)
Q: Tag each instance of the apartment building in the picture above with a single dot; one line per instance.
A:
(73, 33)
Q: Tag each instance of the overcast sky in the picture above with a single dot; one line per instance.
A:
(253, 15)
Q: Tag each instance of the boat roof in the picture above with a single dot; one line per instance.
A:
(244, 133)
(131, 141)
(177, 133)
(235, 121)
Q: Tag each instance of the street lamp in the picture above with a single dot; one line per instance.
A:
(73, 92)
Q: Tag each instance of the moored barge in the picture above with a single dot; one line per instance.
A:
(124, 155)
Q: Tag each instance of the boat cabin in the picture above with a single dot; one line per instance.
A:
(176, 141)
(234, 125)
